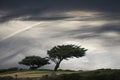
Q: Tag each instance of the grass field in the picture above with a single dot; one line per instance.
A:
(101, 74)
(32, 73)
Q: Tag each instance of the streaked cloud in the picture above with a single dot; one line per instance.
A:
(31, 27)
(48, 34)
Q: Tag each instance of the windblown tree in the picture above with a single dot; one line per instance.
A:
(34, 62)
(62, 52)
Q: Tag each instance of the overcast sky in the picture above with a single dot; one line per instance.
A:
(31, 27)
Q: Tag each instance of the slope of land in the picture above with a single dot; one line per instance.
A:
(32, 73)
(101, 74)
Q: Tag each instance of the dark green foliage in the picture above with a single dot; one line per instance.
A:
(6, 78)
(60, 52)
(9, 69)
(69, 77)
(89, 75)
(103, 74)
(66, 51)
(34, 61)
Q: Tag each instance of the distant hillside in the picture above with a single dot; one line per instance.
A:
(101, 74)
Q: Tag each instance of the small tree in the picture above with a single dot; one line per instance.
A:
(61, 52)
(34, 62)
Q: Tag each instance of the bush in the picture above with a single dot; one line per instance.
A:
(6, 78)
(90, 75)
(9, 69)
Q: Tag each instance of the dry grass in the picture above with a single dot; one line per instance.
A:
(32, 74)
(22, 75)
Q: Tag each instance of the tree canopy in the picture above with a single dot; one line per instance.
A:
(61, 52)
(34, 62)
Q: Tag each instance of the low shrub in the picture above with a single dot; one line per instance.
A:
(6, 78)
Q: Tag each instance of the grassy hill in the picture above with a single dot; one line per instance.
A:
(30, 73)
(101, 74)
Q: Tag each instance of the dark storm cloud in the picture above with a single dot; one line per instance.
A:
(78, 27)
(45, 18)
(91, 32)
(110, 28)
(101, 29)
(15, 46)
(42, 37)
(11, 56)
(101, 16)
(10, 9)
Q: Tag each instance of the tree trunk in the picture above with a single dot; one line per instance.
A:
(57, 65)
